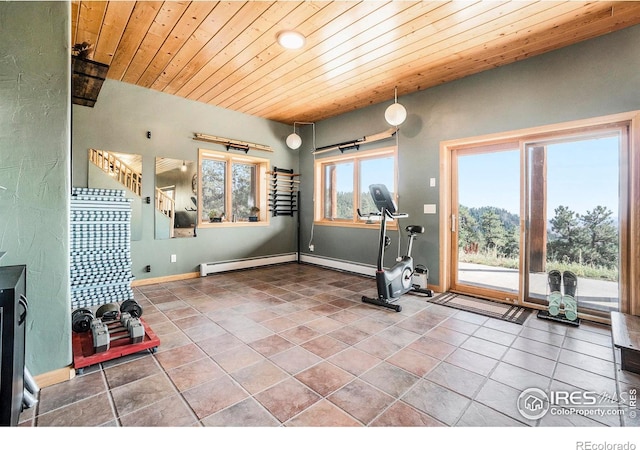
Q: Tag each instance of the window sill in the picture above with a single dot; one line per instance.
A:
(228, 224)
(373, 226)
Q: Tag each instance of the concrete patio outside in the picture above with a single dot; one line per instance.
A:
(600, 295)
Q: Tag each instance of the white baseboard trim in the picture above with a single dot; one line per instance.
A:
(338, 264)
(348, 266)
(225, 266)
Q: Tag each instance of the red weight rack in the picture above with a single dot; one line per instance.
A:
(84, 355)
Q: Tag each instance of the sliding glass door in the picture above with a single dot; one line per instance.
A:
(557, 201)
(485, 222)
(574, 215)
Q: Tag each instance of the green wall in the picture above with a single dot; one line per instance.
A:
(590, 79)
(119, 122)
(34, 169)
(593, 78)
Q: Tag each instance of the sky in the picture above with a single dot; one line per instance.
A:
(373, 171)
(580, 175)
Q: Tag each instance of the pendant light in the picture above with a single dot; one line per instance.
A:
(395, 114)
(294, 141)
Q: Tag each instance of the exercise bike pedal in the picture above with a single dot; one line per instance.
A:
(418, 290)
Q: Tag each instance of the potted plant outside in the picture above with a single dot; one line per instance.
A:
(213, 216)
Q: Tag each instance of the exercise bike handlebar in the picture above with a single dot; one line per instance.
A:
(376, 216)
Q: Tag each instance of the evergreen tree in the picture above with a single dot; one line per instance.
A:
(512, 244)
(590, 239)
(344, 204)
(213, 187)
(493, 231)
(468, 230)
(600, 238)
(566, 227)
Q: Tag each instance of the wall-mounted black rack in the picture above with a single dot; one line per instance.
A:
(231, 144)
(284, 188)
(355, 143)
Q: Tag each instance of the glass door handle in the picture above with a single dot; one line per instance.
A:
(453, 223)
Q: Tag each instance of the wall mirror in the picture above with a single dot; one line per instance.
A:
(123, 171)
(175, 198)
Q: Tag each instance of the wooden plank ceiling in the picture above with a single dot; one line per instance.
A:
(225, 53)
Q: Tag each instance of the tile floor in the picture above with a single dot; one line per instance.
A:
(293, 345)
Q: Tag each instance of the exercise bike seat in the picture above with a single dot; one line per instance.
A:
(415, 229)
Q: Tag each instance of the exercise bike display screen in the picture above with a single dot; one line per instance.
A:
(382, 198)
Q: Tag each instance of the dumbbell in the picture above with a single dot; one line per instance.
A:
(132, 307)
(81, 320)
(130, 327)
(109, 311)
(106, 332)
(100, 333)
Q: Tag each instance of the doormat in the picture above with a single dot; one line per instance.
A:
(502, 311)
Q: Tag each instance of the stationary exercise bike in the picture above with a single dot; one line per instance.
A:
(397, 280)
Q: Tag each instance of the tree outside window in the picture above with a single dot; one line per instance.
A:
(243, 193)
(232, 188)
(342, 183)
(213, 188)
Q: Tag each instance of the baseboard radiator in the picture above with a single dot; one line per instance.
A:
(248, 263)
(338, 264)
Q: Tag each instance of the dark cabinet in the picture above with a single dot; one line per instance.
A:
(13, 316)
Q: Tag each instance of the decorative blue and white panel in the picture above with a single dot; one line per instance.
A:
(100, 255)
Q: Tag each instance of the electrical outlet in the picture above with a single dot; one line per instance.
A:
(173, 258)
(311, 247)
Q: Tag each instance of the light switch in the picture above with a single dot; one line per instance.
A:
(432, 182)
(430, 209)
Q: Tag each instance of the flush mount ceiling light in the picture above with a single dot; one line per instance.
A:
(395, 113)
(291, 40)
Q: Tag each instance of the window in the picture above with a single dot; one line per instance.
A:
(232, 188)
(213, 188)
(338, 191)
(342, 184)
(244, 191)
